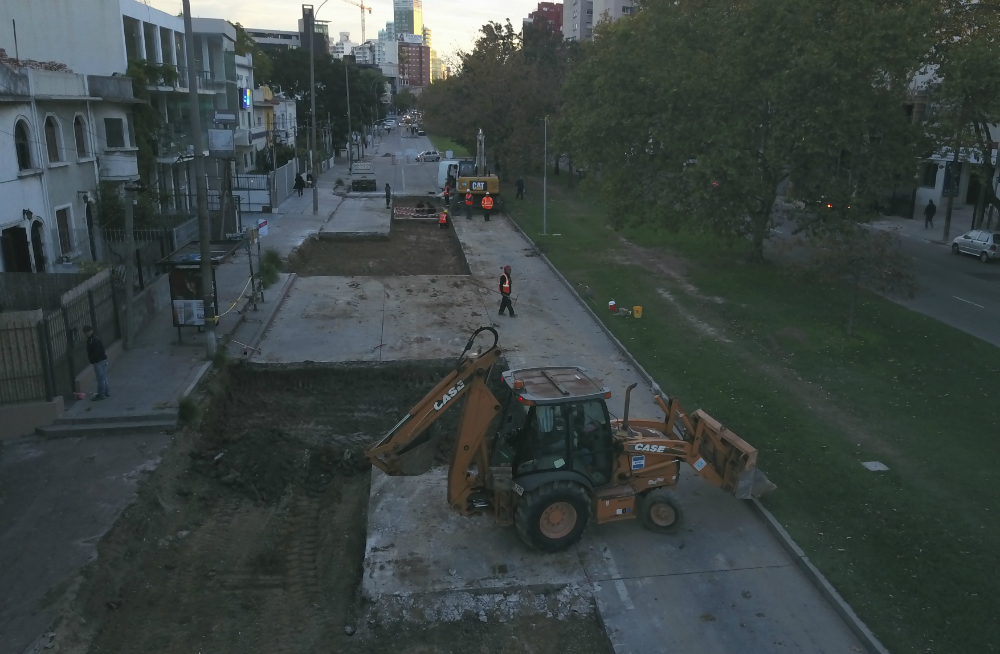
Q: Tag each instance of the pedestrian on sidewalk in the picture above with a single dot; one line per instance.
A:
(929, 212)
(99, 359)
(388, 195)
(505, 292)
(309, 179)
(299, 183)
(519, 185)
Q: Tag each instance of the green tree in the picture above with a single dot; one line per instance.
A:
(963, 89)
(246, 45)
(750, 97)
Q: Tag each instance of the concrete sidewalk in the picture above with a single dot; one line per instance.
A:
(915, 229)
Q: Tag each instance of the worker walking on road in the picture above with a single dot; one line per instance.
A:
(519, 185)
(487, 204)
(929, 212)
(505, 292)
(447, 194)
(468, 206)
(388, 195)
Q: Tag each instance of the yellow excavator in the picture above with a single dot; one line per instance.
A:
(474, 178)
(555, 458)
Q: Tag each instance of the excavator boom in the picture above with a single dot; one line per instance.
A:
(393, 454)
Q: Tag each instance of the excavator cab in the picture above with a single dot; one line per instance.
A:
(555, 425)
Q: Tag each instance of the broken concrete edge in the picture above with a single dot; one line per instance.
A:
(282, 295)
(205, 367)
(352, 236)
(825, 588)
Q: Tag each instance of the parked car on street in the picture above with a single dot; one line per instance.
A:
(430, 155)
(979, 243)
(421, 132)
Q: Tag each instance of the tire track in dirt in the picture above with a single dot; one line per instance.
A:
(301, 589)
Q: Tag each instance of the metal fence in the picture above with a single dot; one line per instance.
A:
(42, 351)
(284, 182)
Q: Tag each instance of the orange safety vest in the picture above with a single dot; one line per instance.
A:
(468, 199)
(487, 203)
(505, 284)
(447, 190)
(443, 219)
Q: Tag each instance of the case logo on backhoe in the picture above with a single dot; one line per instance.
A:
(450, 394)
(644, 447)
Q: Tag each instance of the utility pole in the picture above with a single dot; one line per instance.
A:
(309, 22)
(350, 134)
(204, 237)
(130, 189)
(545, 177)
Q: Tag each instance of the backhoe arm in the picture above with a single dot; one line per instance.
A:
(468, 378)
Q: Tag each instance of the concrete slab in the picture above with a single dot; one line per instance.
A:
(373, 319)
(358, 218)
(415, 547)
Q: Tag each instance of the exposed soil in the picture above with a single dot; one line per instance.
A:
(413, 248)
(250, 535)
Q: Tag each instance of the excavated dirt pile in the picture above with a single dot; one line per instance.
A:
(411, 249)
(250, 534)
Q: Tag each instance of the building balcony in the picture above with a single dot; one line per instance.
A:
(242, 138)
(119, 165)
(258, 134)
(172, 143)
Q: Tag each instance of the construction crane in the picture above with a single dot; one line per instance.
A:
(363, 9)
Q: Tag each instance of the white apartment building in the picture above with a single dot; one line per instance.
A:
(61, 134)
(275, 39)
(343, 46)
(578, 20)
(611, 9)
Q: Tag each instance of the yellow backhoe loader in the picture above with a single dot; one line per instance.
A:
(556, 458)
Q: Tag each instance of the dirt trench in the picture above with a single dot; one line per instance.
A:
(250, 534)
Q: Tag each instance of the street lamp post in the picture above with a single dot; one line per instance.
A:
(545, 177)
(350, 132)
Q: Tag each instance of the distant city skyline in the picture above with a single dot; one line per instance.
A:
(455, 23)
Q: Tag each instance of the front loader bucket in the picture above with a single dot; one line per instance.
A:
(725, 459)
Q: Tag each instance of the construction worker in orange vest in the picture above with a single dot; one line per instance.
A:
(443, 219)
(505, 292)
(447, 194)
(468, 206)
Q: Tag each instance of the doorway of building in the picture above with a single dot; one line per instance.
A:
(36, 246)
(90, 233)
(14, 245)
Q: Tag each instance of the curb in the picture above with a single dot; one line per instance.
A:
(825, 588)
(259, 336)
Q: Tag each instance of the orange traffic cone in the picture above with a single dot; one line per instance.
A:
(443, 220)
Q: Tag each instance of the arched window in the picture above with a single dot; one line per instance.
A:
(52, 139)
(80, 131)
(23, 146)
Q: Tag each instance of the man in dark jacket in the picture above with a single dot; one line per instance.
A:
(99, 359)
(388, 195)
(519, 185)
(505, 286)
(929, 212)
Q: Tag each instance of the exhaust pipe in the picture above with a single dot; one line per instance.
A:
(628, 397)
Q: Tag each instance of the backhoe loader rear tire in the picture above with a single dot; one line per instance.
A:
(553, 516)
(661, 511)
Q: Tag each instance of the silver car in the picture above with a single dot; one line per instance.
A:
(979, 243)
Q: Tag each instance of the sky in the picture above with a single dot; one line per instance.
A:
(454, 23)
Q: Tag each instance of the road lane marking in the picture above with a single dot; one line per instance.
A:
(967, 302)
(619, 584)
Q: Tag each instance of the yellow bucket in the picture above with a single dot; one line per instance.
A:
(637, 312)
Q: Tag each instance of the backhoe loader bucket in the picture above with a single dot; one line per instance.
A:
(725, 459)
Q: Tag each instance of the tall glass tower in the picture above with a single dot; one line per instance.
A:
(409, 16)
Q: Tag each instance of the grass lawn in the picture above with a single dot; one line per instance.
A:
(442, 144)
(914, 549)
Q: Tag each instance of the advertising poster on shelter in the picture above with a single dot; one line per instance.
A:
(186, 297)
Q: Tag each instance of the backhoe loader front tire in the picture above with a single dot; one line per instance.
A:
(661, 512)
(553, 516)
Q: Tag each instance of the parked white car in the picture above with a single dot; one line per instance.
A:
(429, 155)
(979, 243)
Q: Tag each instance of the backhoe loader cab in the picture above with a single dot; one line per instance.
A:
(556, 458)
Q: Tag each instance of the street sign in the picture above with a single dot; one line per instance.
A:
(262, 227)
(487, 203)
(221, 140)
(225, 117)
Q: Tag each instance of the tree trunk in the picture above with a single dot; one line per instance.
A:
(980, 210)
(951, 191)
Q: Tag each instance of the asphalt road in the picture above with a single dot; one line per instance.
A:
(960, 291)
